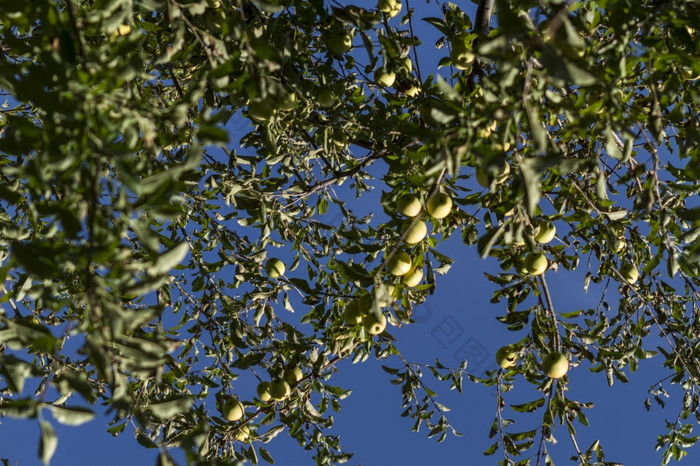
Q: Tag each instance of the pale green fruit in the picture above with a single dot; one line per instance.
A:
(462, 58)
(294, 375)
(263, 391)
(243, 433)
(390, 7)
(384, 77)
(555, 365)
(412, 91)
(406, 63)
(415, 231)
(374, 323)
(274, 267)
(233, 410)
(439, 205)
(389, 298)
(286, 101)
(408, 205)
(339, 41)
(261, 110)
(326, 98)
(352, 314)
(122, 30)
(546, 233)
(413, 277)
(536, 263)
(629, 273)
(399, 264)
(280, 389)
(483, 177)
(506, 357)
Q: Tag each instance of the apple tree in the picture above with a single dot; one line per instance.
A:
(196, 192)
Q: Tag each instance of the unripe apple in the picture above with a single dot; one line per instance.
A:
(326, 98)
(406, 63)
(242, 433)
(122, 30)
(286, 101)
(374, 323)
(408, 205)
(352, 314)
(506, 357)
(413, 277)
(384, 77)
(484, 177)
(536, 263)
(461, 57)
(439, 205)
(293, 375)
(415, 231)
(274, 267)
(280, 389)
(233, 410)
(261, 110)
(555, 365)
(546, 233)
(389, 298)
(263, 391)
(629, 273)
(390, 7)
(412, 91)
(339, 41)
(399, 264)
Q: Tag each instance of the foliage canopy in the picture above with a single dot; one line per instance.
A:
(138, 234)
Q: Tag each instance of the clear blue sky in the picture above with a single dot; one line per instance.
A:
(458, 322)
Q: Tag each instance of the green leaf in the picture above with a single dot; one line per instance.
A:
(167, 261)
(71, 415)
(170, 408)
(47, 442)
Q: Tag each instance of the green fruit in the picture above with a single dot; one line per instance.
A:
(390, 7)
(412, 91)
(408, 205)
(629, 273)
(326, 98)
(399, 264)
(261, 110)
(406, 63)
(242, 433)
(484, 177)
(286, 101)
(233, 410)
(546, 233)
(413, 277)
(339, 41)
(384, 77)
(294, 375)
(414, 231)
(280, 389)
(374, 323)
(274, 267)
(462, 57)
(555, 365)
(263, 391)
(439, 205)
(536, 263)
(352, 314)
(506, 357)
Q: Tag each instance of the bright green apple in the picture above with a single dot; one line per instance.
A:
(412, 91)
(555, 365)
(233, 410)
(274, 267)
(384, 77)
(243, 433)
(261, 110)
(263, 391)
(408, 205)
(506, 357)
(352, 314)
(374, 323)
(293, 375)
(536, 263)
(339, 41)
(413, 277)
(399, 264)
(414, 231)
(280, 389)
(461, 54)
(327, 98)
(439, 205)
(390, 7)
(406, 63)
(629, 273)
(546, 233)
